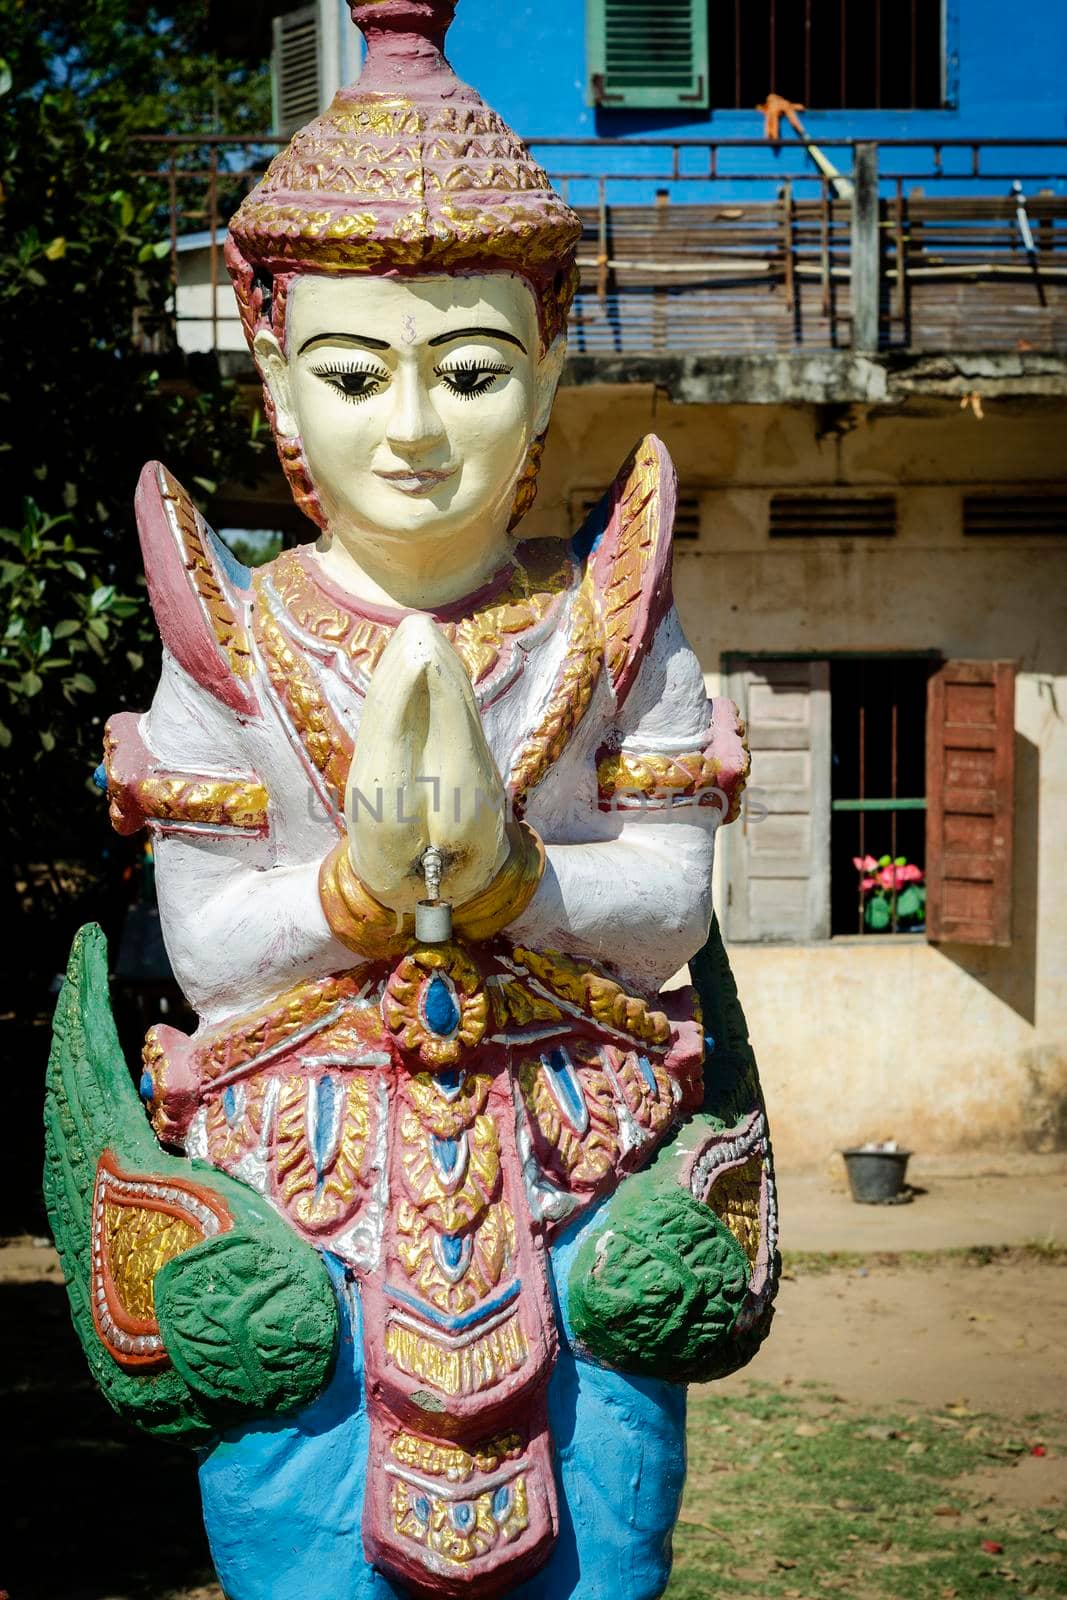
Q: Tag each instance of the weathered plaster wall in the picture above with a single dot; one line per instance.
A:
(949, 1048)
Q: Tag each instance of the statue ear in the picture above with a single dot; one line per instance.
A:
(274, 370)
(549, 371)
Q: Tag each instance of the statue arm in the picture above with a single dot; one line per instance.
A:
(640, 900)
(241, 905)
(645, 801)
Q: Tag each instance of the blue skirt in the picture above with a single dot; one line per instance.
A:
(283, 1500)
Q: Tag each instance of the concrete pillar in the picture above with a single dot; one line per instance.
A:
(866, 273)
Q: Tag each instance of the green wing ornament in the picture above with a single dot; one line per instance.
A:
(196, 1305)
(679, 1281)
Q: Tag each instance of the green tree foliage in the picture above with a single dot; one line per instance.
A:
(83, 269)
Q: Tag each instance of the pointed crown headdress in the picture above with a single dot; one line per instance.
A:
(408, 172)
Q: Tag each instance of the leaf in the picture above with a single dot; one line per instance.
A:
(208, 485)
(44, 641)
(48, 740)
(75, 569)
(36, 278)
(98, 626)
(57, 249)
(908, 902)
(83, 683)
(6, 81)
(101, 598)
(876, 913)
(31, 684)
(64, 629)
(136, 659)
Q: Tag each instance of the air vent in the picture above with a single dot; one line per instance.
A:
(686, 516)
(833, 516)
(1015, 516)
(295, 69)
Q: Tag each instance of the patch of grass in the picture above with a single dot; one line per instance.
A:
(812, 1263)
(796, 1495)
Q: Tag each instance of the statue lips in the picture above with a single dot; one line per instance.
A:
(410, 481)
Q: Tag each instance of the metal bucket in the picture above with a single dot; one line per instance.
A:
(876, 1177)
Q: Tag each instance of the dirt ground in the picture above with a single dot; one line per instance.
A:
(989, 1335)
(964, 1335)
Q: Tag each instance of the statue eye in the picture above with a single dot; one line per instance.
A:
(471, 378)
(354, 383)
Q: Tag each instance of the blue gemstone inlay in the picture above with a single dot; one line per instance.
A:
(446, 1153)
(567, 1089)
(326, 1097)
(452, 1250)
(463, 1515)
(502, 1502)
(100, 776)
(146, 1088)
(450, 1083)
(421, 1507)
(229, 1102)
(645, 1068)
(439, 1008)
(709, 1043)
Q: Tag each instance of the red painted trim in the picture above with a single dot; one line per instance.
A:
(102, 1278)
(183, 627)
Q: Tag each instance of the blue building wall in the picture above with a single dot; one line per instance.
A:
(1006, 69)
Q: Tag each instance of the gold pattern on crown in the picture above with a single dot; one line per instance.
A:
(365, 158)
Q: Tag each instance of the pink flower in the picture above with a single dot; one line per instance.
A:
(864, 864)
(895, 877)
(866, 883)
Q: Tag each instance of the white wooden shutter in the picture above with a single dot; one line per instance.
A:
(778, 864)
(294, 69)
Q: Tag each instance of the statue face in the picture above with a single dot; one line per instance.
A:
(416, 400)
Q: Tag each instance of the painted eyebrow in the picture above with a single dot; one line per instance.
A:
(363, 339)
(478, 333)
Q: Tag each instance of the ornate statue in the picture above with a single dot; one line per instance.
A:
(448, 1202)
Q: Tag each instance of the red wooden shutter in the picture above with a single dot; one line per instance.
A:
(970, 774)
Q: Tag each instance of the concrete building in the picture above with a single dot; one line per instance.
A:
(861, 374)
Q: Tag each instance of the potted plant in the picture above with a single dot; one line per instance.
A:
(891, 893)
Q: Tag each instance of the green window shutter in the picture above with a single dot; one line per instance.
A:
(651, 53)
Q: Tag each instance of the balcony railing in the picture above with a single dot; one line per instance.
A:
(734, 246)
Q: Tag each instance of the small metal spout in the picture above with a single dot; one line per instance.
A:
(433, 916)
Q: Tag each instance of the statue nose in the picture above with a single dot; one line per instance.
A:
(414, 421)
